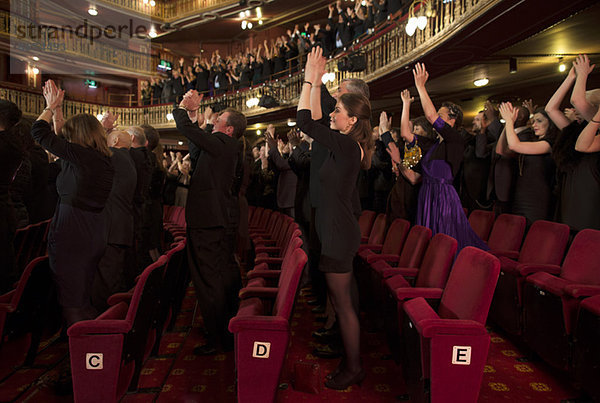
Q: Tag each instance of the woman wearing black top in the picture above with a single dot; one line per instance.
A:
(336, 224)
(77, 237)
(533, 189)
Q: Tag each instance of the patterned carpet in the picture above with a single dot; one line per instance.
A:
(176, 375)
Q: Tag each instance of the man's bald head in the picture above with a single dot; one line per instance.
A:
(119, 139)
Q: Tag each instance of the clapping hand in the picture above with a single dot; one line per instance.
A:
(108, 121)
(315, 66)
(406, 98)
(191, 100)
(394, 153)
(385, 123)
(53, 95)
(508, 113)
(294, 138)
(582, 65)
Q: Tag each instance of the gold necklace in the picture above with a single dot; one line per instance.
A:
(412, 155)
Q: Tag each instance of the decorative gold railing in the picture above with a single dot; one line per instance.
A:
(73, 45)
(169, 11)
(385, 52)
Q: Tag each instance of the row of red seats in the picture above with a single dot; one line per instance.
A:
(107, 353)
(535, 297)
(262, 324)
(403, 275)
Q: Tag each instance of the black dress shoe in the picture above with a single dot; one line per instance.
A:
(344, 380)
(205, 349)
(327, 352)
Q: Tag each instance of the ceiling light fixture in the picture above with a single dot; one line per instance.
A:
(418, 21)
(36, 58)
(258, 132)
(92, 10)
(562, 67)
(152, 33)
(35, 71)
(260, 22)
(180, 142)
(481, 82)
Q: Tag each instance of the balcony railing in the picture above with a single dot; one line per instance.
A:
(386, 51)
(73, 45)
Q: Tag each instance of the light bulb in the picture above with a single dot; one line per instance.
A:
(35, 71)
(562, 67)
(481, 82)
(152, 33)
(422, 22)
(249, 25)
(411, 26)
(93, 11)
(244, 24)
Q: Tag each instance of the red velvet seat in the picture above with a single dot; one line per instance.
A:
(544, 246)
(107, 353)
(507, 235)
(451, 345)
(377, 235)
(587, 347)
(26, 313)
(482, 221)
(433, 273)
(262, 337)
(268, 270)
(365, 222)
(551, 299)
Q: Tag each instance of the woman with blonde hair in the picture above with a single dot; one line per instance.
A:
(77, 236)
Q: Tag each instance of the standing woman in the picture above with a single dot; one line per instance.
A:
(439, 207)
(535, 178)
(77, 237)
(350, 145)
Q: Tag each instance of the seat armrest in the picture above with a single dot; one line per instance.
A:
(258, 292)
(364, 239)
(272, 323)
(525, 269)
(388, 258)
(404, 271)
(548, 282)
(409, 293)
(6, 298)
(270, 261)
(120, 297)
(373, 247)
(459, 327)
(582, 290)
(267, 249)
(263, 274)
(110, 322)
(511, 254)
(418, 310)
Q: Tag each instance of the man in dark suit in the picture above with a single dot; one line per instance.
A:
(109, 278)
(287, 179)
(211, 210)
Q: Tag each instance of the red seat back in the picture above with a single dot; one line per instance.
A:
(507, 233)
(437, 261)
(415, 246)
(394, 239)
(365, 222)
(470, 287)
(545, 243)
(288, 284)
(582, 263)
(481, 221)
(377, 234)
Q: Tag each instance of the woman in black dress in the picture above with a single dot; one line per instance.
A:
(533, 188)
(337, 227)
(77, 237)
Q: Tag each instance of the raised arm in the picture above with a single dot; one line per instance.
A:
(421, 77)
(205, 141)
(405, 129)
(553, 105)
(589, 140)
(578, 100)
(509, 114)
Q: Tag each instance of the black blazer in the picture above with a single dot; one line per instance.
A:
(119, 206)
(210, 194)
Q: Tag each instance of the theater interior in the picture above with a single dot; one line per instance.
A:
(522, 48)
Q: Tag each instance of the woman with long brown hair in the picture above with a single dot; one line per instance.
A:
(77, 236)
(350, 145)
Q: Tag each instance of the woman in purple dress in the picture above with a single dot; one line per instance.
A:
(439, 206)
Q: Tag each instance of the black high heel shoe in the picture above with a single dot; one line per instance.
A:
(341, 384)
(341, 366)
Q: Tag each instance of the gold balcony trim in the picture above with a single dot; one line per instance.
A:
(387, 53)
(169, 12)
